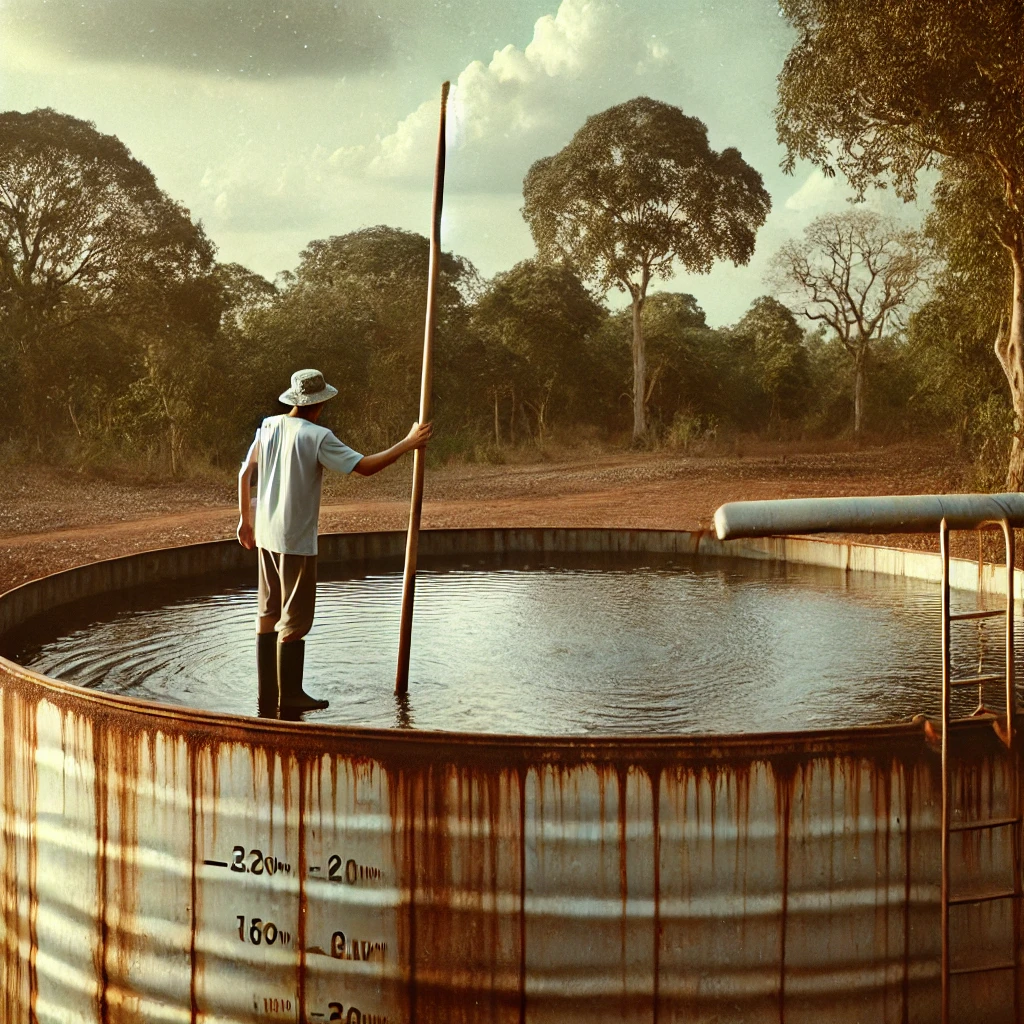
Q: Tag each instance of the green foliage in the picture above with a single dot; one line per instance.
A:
(777, 359)
(535, 322)
(689, 431)
(354, 309)
(639, 188)
(962, 388)
(636, 191)
(855, 272)
(102, 277)
(146, 352)
(702, 381)
(881, 89)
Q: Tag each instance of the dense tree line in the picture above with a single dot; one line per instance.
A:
(122, 339)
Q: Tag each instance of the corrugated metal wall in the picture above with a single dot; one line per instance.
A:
(167, 865)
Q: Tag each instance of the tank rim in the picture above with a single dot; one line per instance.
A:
(187, 719)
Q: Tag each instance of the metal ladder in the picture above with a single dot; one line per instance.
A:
(1013, 819)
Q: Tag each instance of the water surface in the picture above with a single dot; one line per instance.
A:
(609, 645)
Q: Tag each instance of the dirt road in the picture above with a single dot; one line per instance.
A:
(49, 522)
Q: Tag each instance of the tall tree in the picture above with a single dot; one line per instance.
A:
(881, 89)
(637, 190)
(855, 272)
(962, 387)
(84, 232)
(675, 353)
(354, 307)
(779, 357)
(541, 315)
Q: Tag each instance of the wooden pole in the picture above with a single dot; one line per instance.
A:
(416, 506)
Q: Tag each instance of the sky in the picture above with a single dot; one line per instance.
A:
(277, 122)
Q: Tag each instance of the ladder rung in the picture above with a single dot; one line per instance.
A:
(960, 616)
(995, 677)
(982, 897)
(982, 968)
(975, 826)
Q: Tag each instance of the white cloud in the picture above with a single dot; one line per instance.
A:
(249, 195)
(524, 103)
(817, 191)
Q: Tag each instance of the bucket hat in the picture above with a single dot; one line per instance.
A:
(308, 388)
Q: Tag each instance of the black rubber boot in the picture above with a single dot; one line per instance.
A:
(266, 674)
(290, 657)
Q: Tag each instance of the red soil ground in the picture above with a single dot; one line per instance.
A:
(51, 521)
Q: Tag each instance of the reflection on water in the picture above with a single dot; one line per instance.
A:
(606, 646)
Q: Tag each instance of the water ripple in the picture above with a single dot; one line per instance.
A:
(681, 646)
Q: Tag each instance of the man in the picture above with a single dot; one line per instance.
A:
(289, 454)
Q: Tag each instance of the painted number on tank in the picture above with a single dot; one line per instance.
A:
(354, 1015)
(343, 948)
(350, 871)
(258, 864)
(261, 933)
(275, 1005)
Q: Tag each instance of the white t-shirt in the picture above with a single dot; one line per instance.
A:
(291, 455)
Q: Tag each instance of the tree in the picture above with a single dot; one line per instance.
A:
(963, 389)
(882, 89)
(673, 326)
(539, 316)
(675, 355)
(855, 272)
(83, 230)
(780, 363)
(354, 308)
(636, 190)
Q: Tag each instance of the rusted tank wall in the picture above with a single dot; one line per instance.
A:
(168, 865)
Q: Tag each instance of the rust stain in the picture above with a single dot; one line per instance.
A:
(785, 782)
(29, 734)
(521, 786)
(741, 781)
(20, 984)
(127, 750)
(195, 790)
(202, 752)
(1016, 808)
(622, 779)
(654, 774)
(100, 785)
(11, 987)
(460, 831)
(302, 767)
(908, 874)
(881, 796)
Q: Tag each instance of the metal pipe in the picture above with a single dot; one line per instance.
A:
(910, 513)
(416, 504)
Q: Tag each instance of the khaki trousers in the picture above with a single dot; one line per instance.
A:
(287, 589)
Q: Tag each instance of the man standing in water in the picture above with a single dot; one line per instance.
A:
(289, 454)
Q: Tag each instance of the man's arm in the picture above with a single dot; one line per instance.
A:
(245, 534)
(417, 437)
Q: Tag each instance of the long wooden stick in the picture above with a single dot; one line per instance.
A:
(416, 506)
